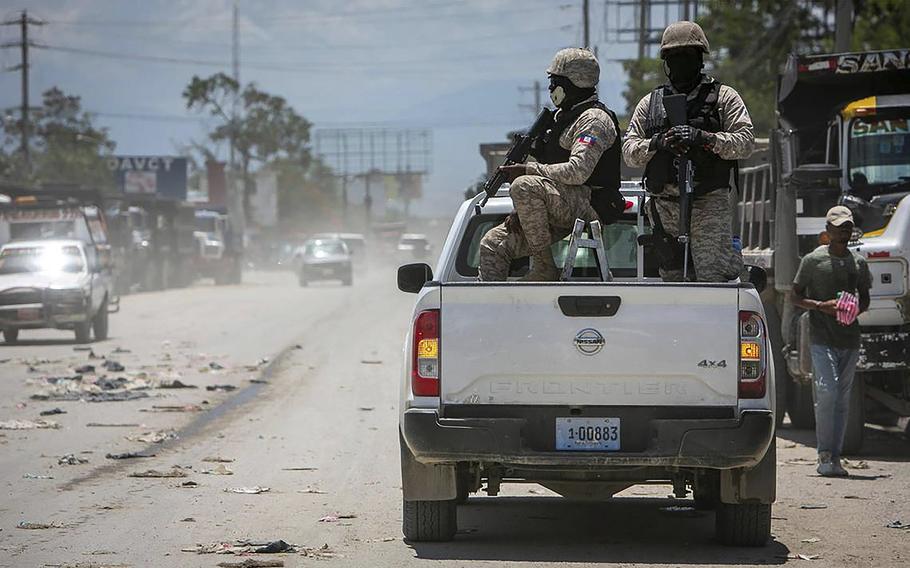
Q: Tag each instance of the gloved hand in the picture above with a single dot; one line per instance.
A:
(690, 136)
(663, 141)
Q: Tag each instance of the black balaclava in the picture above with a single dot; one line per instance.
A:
(565, 94)
(683, 67)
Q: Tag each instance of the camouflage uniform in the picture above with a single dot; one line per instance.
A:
(550, 197)
(711, 225)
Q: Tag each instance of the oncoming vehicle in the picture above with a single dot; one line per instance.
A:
(355, 242)
(57, 284)
(414, 245)
(583, 386)
(325, 259)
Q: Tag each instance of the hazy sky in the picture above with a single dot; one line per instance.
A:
(453, 66)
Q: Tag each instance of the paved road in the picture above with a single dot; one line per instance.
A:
(318, 429)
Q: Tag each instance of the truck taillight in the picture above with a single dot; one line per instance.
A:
(425, 363)
(753, 355)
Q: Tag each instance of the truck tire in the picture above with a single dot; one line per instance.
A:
(801, 405)
(10, 335)
(83, 331)
(429, 521)
(856, 421)
(100, 323)
(743, 524)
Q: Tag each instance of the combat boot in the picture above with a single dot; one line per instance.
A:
(543, 269)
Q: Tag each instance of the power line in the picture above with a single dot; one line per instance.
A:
(24, 21)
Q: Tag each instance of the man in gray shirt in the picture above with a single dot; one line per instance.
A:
(827, 281)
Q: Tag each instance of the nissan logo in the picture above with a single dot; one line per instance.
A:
(589, 341)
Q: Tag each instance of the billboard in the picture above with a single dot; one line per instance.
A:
(161, 175)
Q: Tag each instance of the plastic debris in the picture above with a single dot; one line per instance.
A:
(52, 412)
(175, 384)
(312, 491)
(855, 465)
(219, 469)
(813, 506)
(221, 388)
(128, 456)
(188, 520)
(113, 366)
(856, 497)
(153, 437)
(188, 485)
(28, 425)
(173, 408)
(85, 369)
(71, 459)
(121, 396)
(336, 518)
(121, 350)
(811, 540)
(216, 459)
(154, 473)
(247, 547)
(103, 425)
(302, 468)
(254, 490)
(251, 563)
(215, 366)
(38, 526)
(81, 348)
(36, 476)
(371, 362)
(366, 408)
(898, 524)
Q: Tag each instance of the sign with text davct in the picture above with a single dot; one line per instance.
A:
(164, 176)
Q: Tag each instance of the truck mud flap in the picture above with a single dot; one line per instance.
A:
(424, 482)
(754, 484)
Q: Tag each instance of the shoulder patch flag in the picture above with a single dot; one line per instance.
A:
(587, 139)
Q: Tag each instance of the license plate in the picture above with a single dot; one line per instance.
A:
(587, 434)
(28, 314)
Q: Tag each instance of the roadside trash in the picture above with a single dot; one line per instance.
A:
(188, 485)
(255, 490)
(221, 388)
(91, 355)
(188, 520)
(259, 381)
(102, 425)
(366, 408)
(175, 384)
(219, 469)
(336, 518)
(812, 540)
(38, 526)
(128, 456)
(71, 459)
(250, 563)
(113, 366)
(855, 465)
(154, 473)
(371, 361)
(800, 461)
(90, 396)
(107, 384)
(247, 547)
(154, 437)
(800, 556)
(52, 412)
(36, 476)
(21, 405)
(216, 459)
(898, 524)
(28, 425)
(304, 468)
(81, 348)
(85, 369)
(813, 506)
(215, 366)
(856, 497)
(173, 408)
(311, 491)
(121, 350)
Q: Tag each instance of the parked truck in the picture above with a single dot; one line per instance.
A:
(842, 138)
(585, 387)
(218, 246)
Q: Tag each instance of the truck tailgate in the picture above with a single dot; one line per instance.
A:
(576, 344)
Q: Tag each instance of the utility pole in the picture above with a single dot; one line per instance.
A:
(536, 89)
(586, 6)
(643, 21)
(24, 22)
(843, 22)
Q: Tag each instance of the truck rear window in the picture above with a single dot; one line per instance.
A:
(620, 241)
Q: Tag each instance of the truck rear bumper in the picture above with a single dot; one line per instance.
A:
(699, 443)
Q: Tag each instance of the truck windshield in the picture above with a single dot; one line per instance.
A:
(323, 249)
(41, 259)
(879, 153)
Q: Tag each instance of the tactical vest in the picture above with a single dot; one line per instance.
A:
(710, 170)
(605, 179)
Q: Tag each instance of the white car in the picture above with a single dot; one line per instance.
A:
(414, 245)
(59, 284)
(585, 387)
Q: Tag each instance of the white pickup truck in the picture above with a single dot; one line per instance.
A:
(584, 387)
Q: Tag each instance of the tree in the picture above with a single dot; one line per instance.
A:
(266, 128)
(66, 147)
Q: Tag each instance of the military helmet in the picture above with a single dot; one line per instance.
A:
(683, 34)
(577, 65)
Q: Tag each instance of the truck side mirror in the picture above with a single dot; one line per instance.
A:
(757, 276)
(412, 277)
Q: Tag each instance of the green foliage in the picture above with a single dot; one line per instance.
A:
(644, 75)
(882, 24)
(65, 147)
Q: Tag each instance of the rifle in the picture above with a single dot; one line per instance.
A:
(675, 106)
(517, 154)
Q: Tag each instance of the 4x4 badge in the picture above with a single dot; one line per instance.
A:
(704, 363)
(589, 341)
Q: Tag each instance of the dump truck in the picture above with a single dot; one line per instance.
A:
(842, 138)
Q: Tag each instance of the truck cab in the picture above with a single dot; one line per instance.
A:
(583, 386)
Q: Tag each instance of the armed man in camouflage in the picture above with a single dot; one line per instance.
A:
(576, 175)
(718, 132)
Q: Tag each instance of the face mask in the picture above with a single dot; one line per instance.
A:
(683, 68)
(558, 96)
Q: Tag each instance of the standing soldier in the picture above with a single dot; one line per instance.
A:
(718, 132)
(577, 159)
